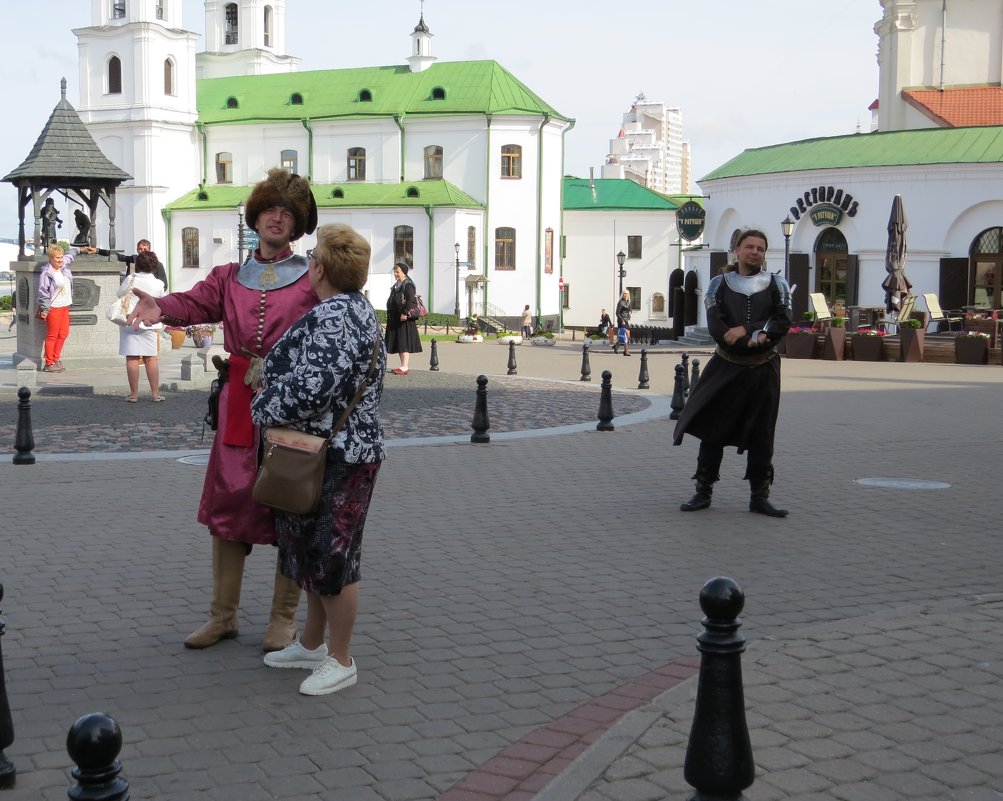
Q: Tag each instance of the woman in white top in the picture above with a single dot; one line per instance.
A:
(55, 296)
(142, 342)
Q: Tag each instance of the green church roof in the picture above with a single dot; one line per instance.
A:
(457, 87)
(354, 195)
(983, 145)
(604, 194)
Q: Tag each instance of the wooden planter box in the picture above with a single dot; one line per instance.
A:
(834, 345)
(971, 350)
(867, 348)
(913, 342)
(801, 346)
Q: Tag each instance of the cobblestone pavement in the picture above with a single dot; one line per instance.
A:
(429, 405)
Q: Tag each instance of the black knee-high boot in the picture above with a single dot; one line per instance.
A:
(760, 478)
(705, 478)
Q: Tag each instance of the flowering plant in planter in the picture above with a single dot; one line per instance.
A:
(202, 331)
(868, 332)
(801, 329)
(972, 335)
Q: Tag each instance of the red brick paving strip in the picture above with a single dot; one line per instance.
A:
(520, 771)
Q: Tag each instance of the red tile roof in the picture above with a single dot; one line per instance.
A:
(959, 107)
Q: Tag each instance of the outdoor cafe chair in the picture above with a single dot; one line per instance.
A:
(906, 306)
(937, 314)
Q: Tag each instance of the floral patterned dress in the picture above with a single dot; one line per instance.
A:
(310, 377)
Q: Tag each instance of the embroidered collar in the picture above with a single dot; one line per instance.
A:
(272, 273)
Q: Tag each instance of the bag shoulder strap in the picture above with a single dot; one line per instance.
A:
(362, 386)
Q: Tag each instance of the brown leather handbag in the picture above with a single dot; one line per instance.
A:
(292, 469)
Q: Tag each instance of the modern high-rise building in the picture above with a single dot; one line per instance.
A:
(650, 148)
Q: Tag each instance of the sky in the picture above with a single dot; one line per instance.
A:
(744, 74)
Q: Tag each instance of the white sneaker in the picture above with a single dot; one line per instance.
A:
(329, 677)
(295, 655)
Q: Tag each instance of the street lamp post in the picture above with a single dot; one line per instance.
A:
(787, 226)
(240, 233)
(621, 257)
(456, 306)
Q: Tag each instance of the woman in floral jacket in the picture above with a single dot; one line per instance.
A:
(309, 378)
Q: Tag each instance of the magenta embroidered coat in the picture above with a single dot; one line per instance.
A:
(226, 506)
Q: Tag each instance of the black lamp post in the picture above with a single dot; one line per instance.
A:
(621, 257)
(456, 306)
(787, 226)
(240, 233)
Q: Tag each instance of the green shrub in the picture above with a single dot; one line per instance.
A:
(911, 324)
(838, 322)
(6, 302)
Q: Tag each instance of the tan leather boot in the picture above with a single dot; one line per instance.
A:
(282, 621)
(227, 573)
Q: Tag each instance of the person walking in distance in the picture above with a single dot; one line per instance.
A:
(623, 322)
(737, 398)
(527, 322)
(257, 302)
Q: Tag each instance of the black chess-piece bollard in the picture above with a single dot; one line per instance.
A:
(686, 374)
(694, 376)
(511, 359)
(678, 395)
(606, 402)
(481, 423)
(586, 368)
(8, 773)
(433, 359)
(93, 744)
(719, 760)
(24, 440)
(642, 376)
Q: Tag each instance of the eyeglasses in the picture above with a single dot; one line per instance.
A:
(309, 253)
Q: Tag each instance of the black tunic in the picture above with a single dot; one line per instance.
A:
(402, 335)
(736, 402)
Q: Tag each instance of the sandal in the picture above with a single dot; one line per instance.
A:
(159, 399)
(398, 371)
(132, 400)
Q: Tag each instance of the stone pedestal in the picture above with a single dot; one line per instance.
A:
(93, 340)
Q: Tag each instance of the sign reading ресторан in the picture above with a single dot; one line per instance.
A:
(690, 218)
(824, 205)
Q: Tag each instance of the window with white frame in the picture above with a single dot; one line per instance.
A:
(511, 161)
(114, 75)
(356, 164)
(289, 160)
(231, 24)
(190, 247)
(404, 244)
(224, 168)
(433, 161)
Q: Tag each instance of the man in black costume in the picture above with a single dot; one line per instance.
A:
(738, 396)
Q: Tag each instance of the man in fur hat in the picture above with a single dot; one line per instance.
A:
(256, 301)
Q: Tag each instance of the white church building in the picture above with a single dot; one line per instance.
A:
(455, 167)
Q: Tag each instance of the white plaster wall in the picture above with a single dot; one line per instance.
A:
(464, 150)
(947, 207)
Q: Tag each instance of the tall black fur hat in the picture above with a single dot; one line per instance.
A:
(283, 188)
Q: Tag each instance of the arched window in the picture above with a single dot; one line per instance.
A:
(231, 102)
(433, 161)
(548, 250)
(189, 247)
(224, 168)
(986, 269)
(504, 248)
(231, 24)
(356, 164)
(168, 77)
(438, 93)
(471, 248)
(404, 244)
(831, 260)
(412, 191)
(365, 96)
(118, 9)
(114, 75)
(160, 9)
(289, 160)
(295, 99)
(268, 26)
(338, 192)
(511, 161)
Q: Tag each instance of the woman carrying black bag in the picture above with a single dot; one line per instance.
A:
(402, 313)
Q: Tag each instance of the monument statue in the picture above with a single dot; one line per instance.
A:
(83, 223)
(50, 221)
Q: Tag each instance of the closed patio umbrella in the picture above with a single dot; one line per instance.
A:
(896, 284)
